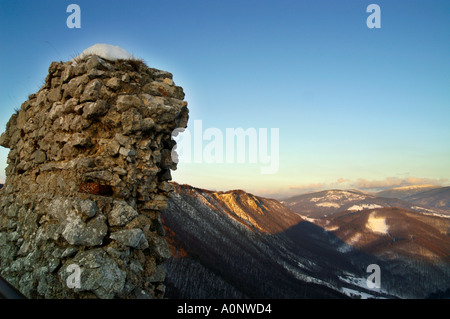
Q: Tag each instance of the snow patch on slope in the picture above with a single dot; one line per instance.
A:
(364, 206)
(350, 242)
(328, 204)
(357, 294)
(429, 212)
(377, 224)
(339, 196)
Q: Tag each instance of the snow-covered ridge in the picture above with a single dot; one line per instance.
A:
(338, 196)
(107, 52)
(430, 212)
(424, 209)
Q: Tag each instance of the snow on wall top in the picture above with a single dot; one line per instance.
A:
(107, 52)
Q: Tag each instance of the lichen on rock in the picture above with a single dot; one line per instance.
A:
(87, 179)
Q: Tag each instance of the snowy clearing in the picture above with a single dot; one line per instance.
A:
(377, 224)
(328, 204)
(357, 294)
(308, 219)
(351, 279)
(364, 206)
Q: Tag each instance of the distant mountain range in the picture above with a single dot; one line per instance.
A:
(405, 191)
(325, 203)
(238, 245)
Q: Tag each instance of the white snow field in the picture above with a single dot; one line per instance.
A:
(364, 206)
(107, 52)
(377, 224)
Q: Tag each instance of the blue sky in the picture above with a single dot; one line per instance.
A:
(354, 106)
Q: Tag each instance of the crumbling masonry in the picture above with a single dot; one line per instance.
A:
(87, 178)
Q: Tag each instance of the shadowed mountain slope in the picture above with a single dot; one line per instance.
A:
(237, 245)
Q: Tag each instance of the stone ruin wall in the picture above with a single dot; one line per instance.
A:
(87, 178)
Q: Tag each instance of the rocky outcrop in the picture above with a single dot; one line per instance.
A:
(87, 178)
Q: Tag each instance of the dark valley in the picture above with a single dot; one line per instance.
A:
(237, 245)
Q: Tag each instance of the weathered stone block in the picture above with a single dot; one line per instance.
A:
(131, 237)
(92, 91)
(121, 214)
(95, 109)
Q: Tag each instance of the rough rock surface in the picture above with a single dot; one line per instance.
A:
(86, 180)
